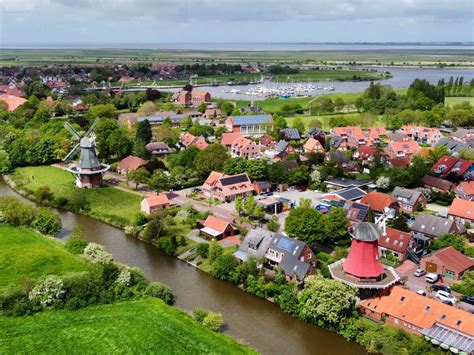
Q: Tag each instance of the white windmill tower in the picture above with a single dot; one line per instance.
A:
(88, 171)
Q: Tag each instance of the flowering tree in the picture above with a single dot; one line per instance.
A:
(96, 254)
(47, 290)
(383, 182)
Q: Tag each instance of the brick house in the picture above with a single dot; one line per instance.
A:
(227, 188)
(448, 262)
(402, 149)
(191, 98)
(461, 211)
(437, 184)
(379, 201)
(216, 228)
(465, 190)
(130, 163)
(398, 242)
(245, 148)
(409, 200)
(153, 203)
(249, 125)
(312, 145)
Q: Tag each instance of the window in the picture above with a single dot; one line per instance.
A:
(402, 298)
(427, 308)
(443, 316)
(450, 274)
(458, 323)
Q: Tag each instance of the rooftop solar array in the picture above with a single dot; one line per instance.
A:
(353, 193)
(254, 119)
(236, 179)
(286, 244)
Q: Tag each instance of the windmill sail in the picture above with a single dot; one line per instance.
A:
(71, 130)
(72, 153)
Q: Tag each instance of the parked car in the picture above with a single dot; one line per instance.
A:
(301, 188)
(432, 277)
(445, 296)
(449, 303)
(196, 189)
(441, 288)
(419, 272)
(421, 292)
(468, 299)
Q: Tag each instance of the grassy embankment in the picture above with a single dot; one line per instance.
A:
(107, 204)
(143, 326)
(26, 255)
(451, 101)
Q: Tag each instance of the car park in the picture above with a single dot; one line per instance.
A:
(419, 272)
(432, 277)
(445, 296)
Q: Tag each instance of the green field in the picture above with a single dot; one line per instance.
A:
(106, 203)
(451, 101)
(136, 327)
(26, 255)
(274, 105)
(366, 119)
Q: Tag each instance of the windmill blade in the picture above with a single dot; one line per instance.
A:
(71, 130)
(92, 127)
(72, 153)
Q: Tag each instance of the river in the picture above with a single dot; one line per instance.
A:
(256, 322)
(401, 78)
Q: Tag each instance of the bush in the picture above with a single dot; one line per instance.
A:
(203, 250)
(140, 219)
(16, 303)
(43, 194)
(161, 291)
(215, 250)
(97, 254)
(47, 291)
(77, 241)
(12, 211)
(47, 222)
(213, 321)
(61, 201)
(199, 314)
(168, 245)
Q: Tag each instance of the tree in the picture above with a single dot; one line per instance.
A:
(102, 111)
(273, 225)
(299, 125)
(239, 204)
(299, 176)
(277, 172)
(305, 224)
(339, 103)
(148, 108)
(152, 95)
(258, 212)
(5, 165)
(326, 302)
(48, 290)
(212, 158)
(321, 105)
(3, 105)
(144, 132)
(215, 251)
(226, 108)
(236, 165)
(223, 266)
(249, 205)
(140, 176)
(399, 177)
(449, 239)
(256, 169)
(417, 170)
(400, 223)
(202, 107)
(118, 144)
(160, 181)
(213, 321)
(336, 226)
(383, 182)
(47, 221)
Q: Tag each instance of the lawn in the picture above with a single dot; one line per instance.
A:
(137, 327)
(26, 255)
(106, 203)
(451, 101)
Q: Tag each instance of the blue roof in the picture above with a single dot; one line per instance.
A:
(253, 119)
(161, 118)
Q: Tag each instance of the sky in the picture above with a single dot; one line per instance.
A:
(75, 22)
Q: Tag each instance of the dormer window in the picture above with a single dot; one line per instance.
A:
(458, 323)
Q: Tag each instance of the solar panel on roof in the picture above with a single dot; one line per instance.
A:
(286, 244)
(231, 180)
(406, 146)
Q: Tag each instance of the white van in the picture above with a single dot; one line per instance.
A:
(432, 277)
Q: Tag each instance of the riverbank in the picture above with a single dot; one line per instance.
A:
(135, 323)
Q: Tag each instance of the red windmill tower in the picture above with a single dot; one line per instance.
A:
(362, 268)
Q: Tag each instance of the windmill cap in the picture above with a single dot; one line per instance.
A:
(85, 142)
(366, 232)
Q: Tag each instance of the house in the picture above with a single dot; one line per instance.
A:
(424, 316)
(434, 226)
(292, 255)
(318, 134)
(255, 244)
(188, 140)
(453, 146)
(191, 98)
(402, 149)
(397, 242)
(227, 188)
(463, 135)
(159, 149)
(312, 145)
(130, 163)
(244, 148)
(228, 138)
(402, 162)
(262, 187)
(465, 190)
(338, 156)
(212, 113)
(267, 141)
(290, 134)
(283, 148)
(398, 137)
(345, 132)
(380, 202)
(216, 228)
(346, 194)
(376, 134)
(451, 166)
(338, 143)
(13, 102)
(249, 125)
(355, 211)
(448, 262)
(437, 184)
(422, 134)
(461, 211)
(250, 109)
(366, 155)
(153, 203)
(409, 200)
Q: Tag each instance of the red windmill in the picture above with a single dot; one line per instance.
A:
(363, 260)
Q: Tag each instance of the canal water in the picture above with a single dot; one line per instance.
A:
(256, 322)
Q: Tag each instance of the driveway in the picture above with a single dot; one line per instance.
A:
(415, 284)
(442, 210)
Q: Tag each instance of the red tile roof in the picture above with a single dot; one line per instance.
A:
(12, 101)
(228, 138)
(438, 183)
(159, 200)
(467, 187)
(187, 139)
(395, 240)
(421, 311)
(312, 145)
(400, 162)
(451, 258)
(131, 163)
(462, 208)
(215, 223)
(378, 200)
